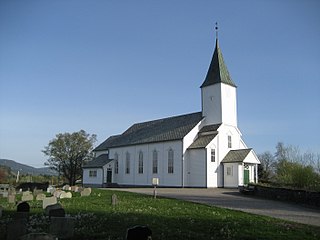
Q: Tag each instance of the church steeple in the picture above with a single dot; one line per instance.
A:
(217, 72)
(218, 92)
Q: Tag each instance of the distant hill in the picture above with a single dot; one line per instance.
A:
(25, 169)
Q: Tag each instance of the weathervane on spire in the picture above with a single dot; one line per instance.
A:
(216, 28)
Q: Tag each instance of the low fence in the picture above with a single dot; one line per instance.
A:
(290, 195)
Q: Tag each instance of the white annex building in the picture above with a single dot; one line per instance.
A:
(201, 149)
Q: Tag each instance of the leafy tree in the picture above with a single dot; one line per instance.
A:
(68, 151)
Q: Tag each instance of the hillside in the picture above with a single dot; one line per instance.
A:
(25, 169)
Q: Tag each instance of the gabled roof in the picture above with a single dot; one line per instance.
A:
(202, 141)
(217, 72)
(98, 162)
(234, 156)
(166, 129)
(210, 128)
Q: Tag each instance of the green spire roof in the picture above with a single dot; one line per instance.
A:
(217, 72)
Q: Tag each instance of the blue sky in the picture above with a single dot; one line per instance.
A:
(101, 66)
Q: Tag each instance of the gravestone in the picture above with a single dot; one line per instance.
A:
(40, 197)
(23, 207)
(27, 197)
(51, 189)
(4, 190)
(65, 195)
(26, 193)
(16, 228)
(12, 198)
(62, 227)
(37, 236)
(74, 188)
(66, 187)
(48, 201)
(59, 212)
(114, 200)
(52, 207)
(36, 192)
(139, 233)
(86, 192)
(79, 189)
(57, 193)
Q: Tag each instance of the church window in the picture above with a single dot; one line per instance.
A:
(127, 163)
(116, 163)
(155, 162)
(213, 155)
(93, 173)
(140, 167)
(170, 161)
(229, 141)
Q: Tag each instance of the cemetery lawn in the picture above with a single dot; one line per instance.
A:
(96, 218)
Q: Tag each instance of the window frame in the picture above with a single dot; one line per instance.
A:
(127, 171)
(140, 163)
(170, 161)
(154, 162)
(92, 173)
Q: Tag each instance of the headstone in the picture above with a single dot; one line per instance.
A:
(52, 207)
(51, 189)
(66, 187)
(27, 197)
(57, 193)
(62, 227)
(25, 193)
(4, 190)
(49, 201)
(23, 207)
(36, 192)
(79, 189)
(86, 192)
(114, 200)
(74, 188)
(65, 195)
(37, 236)
(11, 198)
(57, 212)
(16, 228)
(139, 233)
(40, 197)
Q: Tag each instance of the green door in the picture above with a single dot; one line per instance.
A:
(109, 175)
(246, 177)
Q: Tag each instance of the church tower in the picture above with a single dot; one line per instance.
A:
(218, 93)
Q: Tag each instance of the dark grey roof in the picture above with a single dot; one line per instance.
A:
(210, 128)
(202, 141)
(217, 72)
(166, 129)
(98, 162)
(234, 156)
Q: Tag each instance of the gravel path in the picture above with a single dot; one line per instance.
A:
(232, 199)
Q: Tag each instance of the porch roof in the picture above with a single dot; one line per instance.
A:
(98, 162)
(235, 156)
(202, 141)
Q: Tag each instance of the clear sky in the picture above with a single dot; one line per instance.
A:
(101, 66)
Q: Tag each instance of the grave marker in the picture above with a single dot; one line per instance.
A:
(114, 200)
(62, 227)
(86, 192)
(48, 201)
(65, 195)
(52, 207)
(27, 197)
(40, 197)
(139, 233)
(11, 198)
(16, 228)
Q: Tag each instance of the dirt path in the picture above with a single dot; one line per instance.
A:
(232, 199)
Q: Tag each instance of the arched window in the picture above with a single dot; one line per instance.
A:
(170, 161)
(213, 155)
(116, 163)
(127, 163)
(140, 167)
(155, 162)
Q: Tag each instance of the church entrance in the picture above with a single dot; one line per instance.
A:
(109, 175)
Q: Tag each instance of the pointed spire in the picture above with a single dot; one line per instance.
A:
(217, 72)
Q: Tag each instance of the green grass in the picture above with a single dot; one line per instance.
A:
(96, 218)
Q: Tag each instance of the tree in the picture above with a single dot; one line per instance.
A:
(267, 166)
(68, 151)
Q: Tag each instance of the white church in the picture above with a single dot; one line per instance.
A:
(201, 149)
